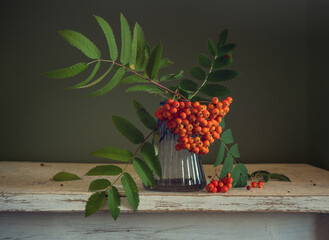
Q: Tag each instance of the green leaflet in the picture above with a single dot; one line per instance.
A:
(236, 175)
(137, 48)
(114, 202)
(133, 79)
(98, 80)
(188, 85)
(93, 73)
(170, 77)
(67, 72)
(226, 49)
(144, 172)
(222, 61)
(227, 166)
(196, 98)
(113, 153)
(111, 84)
(215, 90)
(109, 37)
(144, 88)
(235, 150)
(211, 47)
(128, 130)
(197, 73)
(65, 176)
(94, 203)
(227, 136)
(82, 43)
(242, 181)
(125, 40)
(223, 37)
(222, 75)
(99, 184)
(204, 61)
(153, 63)
(153, 162)
(165, 62)
(130, 189)
(278, 176)
(144, 116)
(220, 155)
(104, 170)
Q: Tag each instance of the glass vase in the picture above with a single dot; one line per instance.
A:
(182, 171)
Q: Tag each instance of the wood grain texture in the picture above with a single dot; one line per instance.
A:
(27, 186)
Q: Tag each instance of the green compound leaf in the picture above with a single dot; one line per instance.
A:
(165, 62)
(226, 49)
(111, 84)
(93, 73)
(144, 116)
(99, 184)
(94, 203)
(170, 77)
(227, 136)
(153, 63)
(133, 79)
(242, 181)
(67, 72)
(211, 47)
(138, 48)
(197, 73)
(259, 173)
(222, 75)
(220, 155)
(130, 189)
(222, 123)
(113, 153)
(144, 88)
(144, 172)
(223, 37)
(82, 43)
(114, 202)
(153, 162)
(227, 166)
(188, 85)
(109, 37)
(128, 130)
(215, 90)
(104, 170)
(65, 176)
(235, 151)
(223, 61)
(279, 177)
(204, 61)
(98, 80)
(125, 40)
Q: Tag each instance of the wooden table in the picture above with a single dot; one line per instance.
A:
(33, 206)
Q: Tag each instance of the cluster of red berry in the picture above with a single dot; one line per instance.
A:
(222, 185)
(260, 184)
(196, 124)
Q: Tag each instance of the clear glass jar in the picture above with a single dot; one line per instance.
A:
(182, 171)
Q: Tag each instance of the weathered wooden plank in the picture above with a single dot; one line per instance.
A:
(201, 225)
(26, 186)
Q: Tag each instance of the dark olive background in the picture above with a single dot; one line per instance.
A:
(280, 106)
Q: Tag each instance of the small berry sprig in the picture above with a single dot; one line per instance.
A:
(259, 184)
(220, 185)
(196, 124)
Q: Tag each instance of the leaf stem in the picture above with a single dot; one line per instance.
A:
(205, 80)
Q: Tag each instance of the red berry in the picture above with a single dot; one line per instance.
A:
(254, 184)
(260, 184)
(209, 187)
(224, 189)
(214, 190)
(248, 187)
(42, 164)
(214, 182)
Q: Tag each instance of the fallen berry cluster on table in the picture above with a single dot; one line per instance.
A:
(221, 185)
(195, 123)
